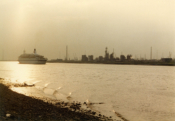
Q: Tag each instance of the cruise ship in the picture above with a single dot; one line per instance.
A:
(32, 58)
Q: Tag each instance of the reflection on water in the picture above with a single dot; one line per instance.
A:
(20, 73)
(141, 93)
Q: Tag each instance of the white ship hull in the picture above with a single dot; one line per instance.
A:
(32, 61)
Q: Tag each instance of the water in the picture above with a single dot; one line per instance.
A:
(138, 93)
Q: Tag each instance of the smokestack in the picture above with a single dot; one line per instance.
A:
(66, 53)
(145, 56)
(2, 54)
(157, 54)
(140, 57)
(169, 54)
(151, 54)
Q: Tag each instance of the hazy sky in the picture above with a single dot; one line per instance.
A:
(87, 26)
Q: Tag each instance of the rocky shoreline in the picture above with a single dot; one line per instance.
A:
(15, 106)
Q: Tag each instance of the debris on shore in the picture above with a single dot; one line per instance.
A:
(15, 106)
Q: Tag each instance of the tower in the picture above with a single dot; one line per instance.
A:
(2, 54)
(151, 54)
(66, 53)
(106, 54)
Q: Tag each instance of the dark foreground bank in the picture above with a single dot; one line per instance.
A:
(24, 108)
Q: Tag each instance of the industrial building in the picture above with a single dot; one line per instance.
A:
(84, 58)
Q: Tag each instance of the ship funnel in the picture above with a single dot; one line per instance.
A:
(34, 51)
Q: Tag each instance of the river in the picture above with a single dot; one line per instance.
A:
(137, 92)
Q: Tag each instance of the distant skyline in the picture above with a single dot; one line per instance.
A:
(87, 27)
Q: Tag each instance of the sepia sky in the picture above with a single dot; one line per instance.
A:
(87, 27)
